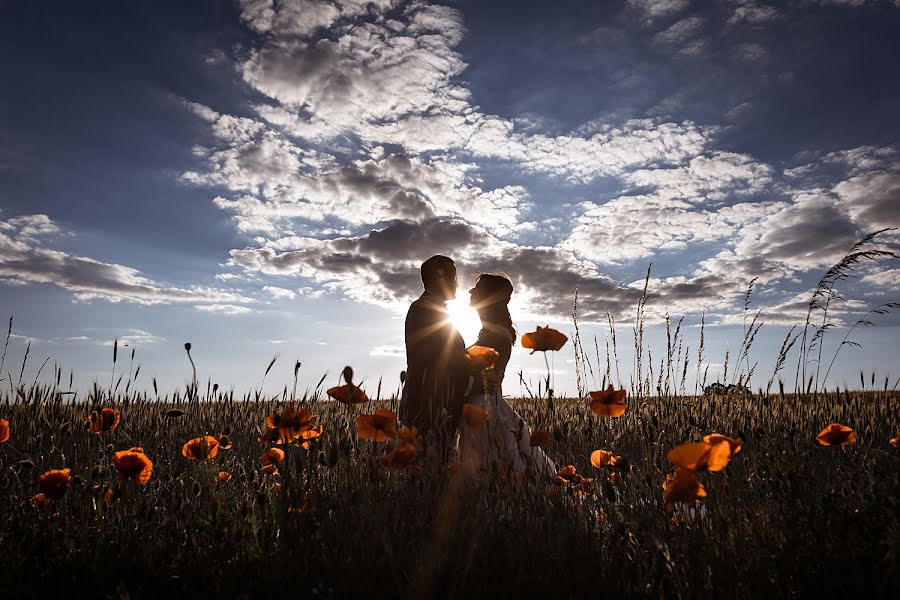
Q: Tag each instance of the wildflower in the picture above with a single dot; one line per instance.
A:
(133, 464)
(474, 416)
(270, 468)
(410, 434)
(200, 448)
(603, 458)
(289, 425)
(39, 500)
(272, 456)
(481, 357)
(608, 403)
(682, 486)
(564, 476)
(402, 457)
(700, 456)
(309, 436)
(539, 437)
(895, 442)
(102, 492)
(105, 419)
(224, 442)
(378, 427)
(348, 394)
(54, 483)
(223, 476)
(836, 435)
(714, 438)
(543, 339)
(4, 430)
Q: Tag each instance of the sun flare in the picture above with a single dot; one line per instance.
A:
(464, 319)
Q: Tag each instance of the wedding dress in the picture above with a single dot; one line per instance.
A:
(503, 442)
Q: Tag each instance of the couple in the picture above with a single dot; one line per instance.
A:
(439, 380)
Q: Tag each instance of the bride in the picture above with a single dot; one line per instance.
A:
(504, 440)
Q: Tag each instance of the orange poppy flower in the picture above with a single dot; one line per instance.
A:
(270, 468)
(133, 464)
(682, 486)
(289, 424)
(603, 458)
(223, 476)
(309, 436)
(348, 394)
(224, 442)
(380, 426)
(539, 437)
(895, 442)
(714, 438)
(565, 475)
(200, 448)
(102, 492)
(410, 434)
(836, 435)
(272, 455)
(39, 500)
(105, 419)
(54, 483)
(474, 416)
(481, 357)
(608, 403)
(4, 430)
(402, 457)
(543, 339)
(700, 456)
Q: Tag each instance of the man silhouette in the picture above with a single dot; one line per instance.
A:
(437, 373)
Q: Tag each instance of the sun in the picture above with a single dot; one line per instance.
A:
(464, 319)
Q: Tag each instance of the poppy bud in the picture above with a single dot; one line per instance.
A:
(348, 374)
(39, 439)
(215, 388)
(187, 346)
(77, 480)
(27, 464)
(110, 449)
(174, 413)
(402, 376)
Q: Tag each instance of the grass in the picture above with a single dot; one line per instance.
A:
(786, 517)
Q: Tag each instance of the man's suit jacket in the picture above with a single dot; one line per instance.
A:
(437, 373)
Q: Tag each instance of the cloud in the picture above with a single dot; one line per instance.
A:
(224, 309)
(24, 260)
(388, 350)
(650, 11)
(279, 293)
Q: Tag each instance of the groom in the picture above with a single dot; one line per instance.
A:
(436, 374)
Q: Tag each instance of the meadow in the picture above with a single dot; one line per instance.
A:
(274, 503)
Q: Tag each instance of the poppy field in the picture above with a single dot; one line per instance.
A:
(699, 496)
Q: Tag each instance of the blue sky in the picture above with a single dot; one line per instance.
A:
(265, 177)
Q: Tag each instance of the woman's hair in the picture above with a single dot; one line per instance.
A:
(495, 290)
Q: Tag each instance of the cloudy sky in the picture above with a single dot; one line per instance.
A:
(266, 176)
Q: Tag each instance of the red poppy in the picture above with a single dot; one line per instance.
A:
(272, 456)
(474, 416)
(539, 437)
(224, 442)
(105, 419)
(54, 483)
(543, 339)
(348, 394)
(289, 424)
(715, 438)
(270, 468)
(565, 475)
(682, 487)
(378, 427)
(700, 456)
(608, 403)
(895, 442)
(481, 357)
(410, 434)
(200, 448)
(401, 457)
(603, 458)
(309, 436)
(133, 464)
(223, 476)
(836, 435)
(4, 430)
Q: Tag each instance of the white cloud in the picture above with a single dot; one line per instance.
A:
(279, 293)
(224, 309)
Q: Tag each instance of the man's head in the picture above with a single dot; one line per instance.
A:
(439, 276)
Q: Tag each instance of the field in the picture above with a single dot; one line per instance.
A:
(786, 517)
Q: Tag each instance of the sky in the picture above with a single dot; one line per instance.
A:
(265, 177)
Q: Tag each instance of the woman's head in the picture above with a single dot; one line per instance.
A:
(490, 298)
